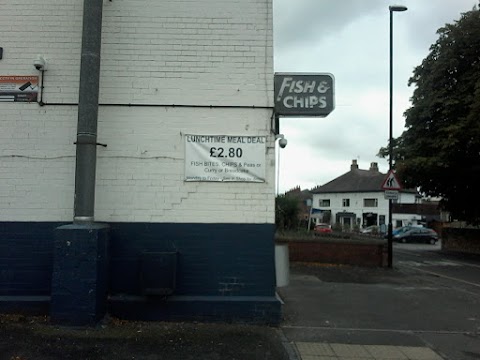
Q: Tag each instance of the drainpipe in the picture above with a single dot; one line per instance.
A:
(86, 155)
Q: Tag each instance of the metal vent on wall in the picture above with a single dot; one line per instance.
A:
(158, 273)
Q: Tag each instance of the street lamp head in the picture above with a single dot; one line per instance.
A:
(397, 8)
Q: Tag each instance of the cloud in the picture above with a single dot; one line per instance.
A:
(350, 39)
(306, 21)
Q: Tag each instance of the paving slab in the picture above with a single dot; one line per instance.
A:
(335, 351)
(386, 352)
(419, 353)
(350, 351)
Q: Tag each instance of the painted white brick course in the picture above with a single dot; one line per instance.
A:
(154, 52)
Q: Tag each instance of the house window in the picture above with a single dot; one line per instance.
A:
(324, 202)
(370, 202)
(346, 202)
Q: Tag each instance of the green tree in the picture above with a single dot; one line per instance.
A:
(439, 152)
(286, 212)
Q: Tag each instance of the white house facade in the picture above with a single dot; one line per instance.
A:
(356, 199)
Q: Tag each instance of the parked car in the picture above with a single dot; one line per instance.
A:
(370, 230)
(399, 230)
(416, 234)
(322, 229)
(402, 229)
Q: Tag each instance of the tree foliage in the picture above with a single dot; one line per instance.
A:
(439, 151)
(286, 212)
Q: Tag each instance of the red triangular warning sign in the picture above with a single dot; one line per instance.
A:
(391, 182)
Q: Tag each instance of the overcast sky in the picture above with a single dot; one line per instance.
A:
(350, 39)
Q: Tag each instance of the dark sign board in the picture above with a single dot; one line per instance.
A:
(304, 94)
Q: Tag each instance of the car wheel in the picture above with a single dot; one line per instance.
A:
(433, 241)
(404, 240)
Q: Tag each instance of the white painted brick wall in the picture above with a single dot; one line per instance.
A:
(161, 52)
(140, 173)
(202, 52)
(154, 52)
(52, 28)
(37, 162)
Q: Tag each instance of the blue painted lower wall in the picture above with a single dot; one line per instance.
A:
(220, 272)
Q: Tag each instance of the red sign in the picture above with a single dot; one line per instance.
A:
(391, 182)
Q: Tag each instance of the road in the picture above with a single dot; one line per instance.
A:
(429, 298)
(455, 277)
(461, 271)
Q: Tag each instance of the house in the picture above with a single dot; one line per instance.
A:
(356, 199)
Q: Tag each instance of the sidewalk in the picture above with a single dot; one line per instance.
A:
(347, 313)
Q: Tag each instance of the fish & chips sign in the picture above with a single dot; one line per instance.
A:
(304, 94)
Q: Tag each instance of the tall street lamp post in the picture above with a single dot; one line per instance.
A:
(392, 9)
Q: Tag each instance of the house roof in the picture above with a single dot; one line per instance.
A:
(356, 180)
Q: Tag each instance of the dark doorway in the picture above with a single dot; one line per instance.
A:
(370, 219)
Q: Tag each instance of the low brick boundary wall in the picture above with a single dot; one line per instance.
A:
(362, 252)
(465, 240)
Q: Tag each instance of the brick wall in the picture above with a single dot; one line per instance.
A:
(37, 162)
(465, 240)
(224, 271)
(26, 258)
(47, 27)
(189, 53)
(168, 69)
(365, 253)
(208, 52)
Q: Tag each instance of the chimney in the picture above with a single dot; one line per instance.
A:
(374, 166)
(354, 165)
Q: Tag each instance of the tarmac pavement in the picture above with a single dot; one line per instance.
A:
(346, 313)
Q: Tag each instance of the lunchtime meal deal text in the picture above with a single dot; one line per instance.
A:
(225, 158)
